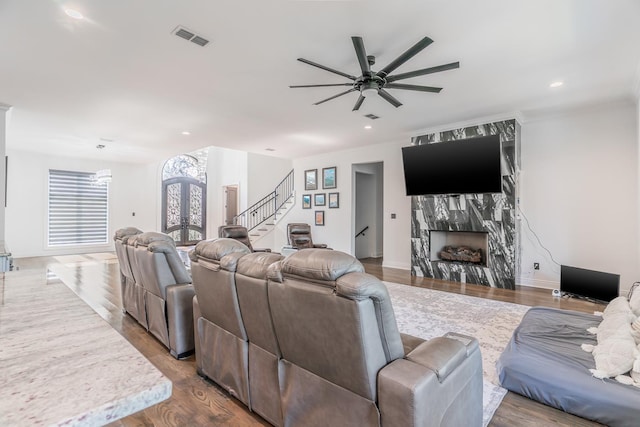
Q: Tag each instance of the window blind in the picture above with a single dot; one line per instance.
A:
(78, 209)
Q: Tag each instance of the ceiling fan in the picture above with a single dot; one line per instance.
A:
(371, 82)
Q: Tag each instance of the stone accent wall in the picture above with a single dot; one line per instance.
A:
(493, 213)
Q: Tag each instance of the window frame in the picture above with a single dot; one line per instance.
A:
(102, 222)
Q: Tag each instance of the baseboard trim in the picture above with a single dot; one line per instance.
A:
(399, 266)
(538, 283)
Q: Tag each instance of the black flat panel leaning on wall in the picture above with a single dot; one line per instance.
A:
(491, 213)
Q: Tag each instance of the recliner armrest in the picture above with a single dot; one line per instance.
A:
(438, 383)
(441, 355)
(180, 319)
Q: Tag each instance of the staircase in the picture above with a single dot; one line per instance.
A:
(261, 217)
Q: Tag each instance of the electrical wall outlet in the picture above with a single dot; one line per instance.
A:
(536, 266)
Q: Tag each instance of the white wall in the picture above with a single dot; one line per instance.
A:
(579, 190)
(134, 188)
(339, 226)
(224, 167)
(4, 112)
(637, 95)
(265, 172)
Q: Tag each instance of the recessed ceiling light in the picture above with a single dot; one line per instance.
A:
(270, 149)
(368, 127)
(186, 132)
(556, 84)
(74, 14)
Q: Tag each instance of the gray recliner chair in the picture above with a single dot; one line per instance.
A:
(299, 236)
(168, 292)
(264, 351)
(135, 300)
(344, 361)
(127, 281)
(239, 233)
(220, 337)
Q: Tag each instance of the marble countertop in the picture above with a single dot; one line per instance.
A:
(61, 364)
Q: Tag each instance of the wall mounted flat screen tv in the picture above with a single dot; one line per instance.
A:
(588, 283)
(465, 166)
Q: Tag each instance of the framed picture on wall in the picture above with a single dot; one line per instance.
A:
(329, 179)
(311, 179)
(320, 199)
(319, 217)
(334, 200)
(306, 201)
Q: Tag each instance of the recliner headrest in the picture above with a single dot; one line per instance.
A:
(319, 264)
(301, 228)
(256, 264)
(233, 231)
(145, 239)
(215, 250)
(127, 231)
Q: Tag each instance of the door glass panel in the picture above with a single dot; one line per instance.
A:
(173, 205)
(175, 235)
(194, 235)
(195, 205)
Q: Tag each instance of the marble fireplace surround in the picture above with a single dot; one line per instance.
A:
(493, 214)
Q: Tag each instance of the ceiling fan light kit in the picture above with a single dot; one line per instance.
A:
(372, 83)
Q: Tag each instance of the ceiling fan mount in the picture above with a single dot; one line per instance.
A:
(371, 82)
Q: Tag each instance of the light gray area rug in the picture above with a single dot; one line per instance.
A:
(426, 314)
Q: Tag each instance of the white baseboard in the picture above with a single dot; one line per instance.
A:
(538, 283)
(399, 266)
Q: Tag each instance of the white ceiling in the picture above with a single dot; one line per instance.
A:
(120, 74)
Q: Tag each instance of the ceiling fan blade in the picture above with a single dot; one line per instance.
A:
(358, 44)
(424, 71)
(413, 87)
(390, 99)
(410, 53)
(335, 96)
(327, 85)
(358, 103)
(331, 70)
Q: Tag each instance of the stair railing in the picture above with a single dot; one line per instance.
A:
(361, 233)
(267, 207)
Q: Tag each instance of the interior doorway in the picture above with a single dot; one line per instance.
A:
(368, 210)
(230, 203)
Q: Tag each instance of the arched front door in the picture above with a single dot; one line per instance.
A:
(184, 200)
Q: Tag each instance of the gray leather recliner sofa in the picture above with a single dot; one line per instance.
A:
(339, 357)
(221, 338)
(127, 281)
(235, 342)
(343, 359)
(158, 292)
(133, 292)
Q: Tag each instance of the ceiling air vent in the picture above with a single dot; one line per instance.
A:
(371, 116)
(199, 41)
(180, 31)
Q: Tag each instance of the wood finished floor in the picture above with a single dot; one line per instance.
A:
(198, 402)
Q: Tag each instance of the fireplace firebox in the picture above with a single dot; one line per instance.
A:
(468, 247)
